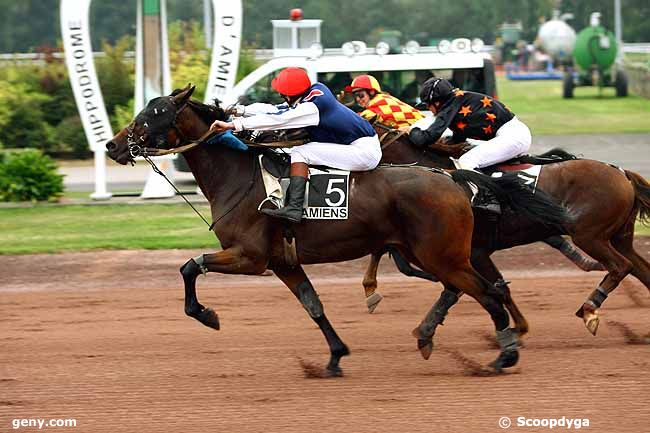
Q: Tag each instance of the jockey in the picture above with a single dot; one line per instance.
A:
(391, 111)
(473, 117)
(339, 138)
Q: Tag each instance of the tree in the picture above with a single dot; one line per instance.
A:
(27, 24)
(115, 74)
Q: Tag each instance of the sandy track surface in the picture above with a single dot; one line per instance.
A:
(102, 338)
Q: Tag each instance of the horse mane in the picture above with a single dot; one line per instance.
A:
(208, 113)
(437, 150)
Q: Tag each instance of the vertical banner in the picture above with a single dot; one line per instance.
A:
(81, 69)
(225, 48)
(85, 86)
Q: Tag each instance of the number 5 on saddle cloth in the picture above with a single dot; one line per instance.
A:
(326, 197)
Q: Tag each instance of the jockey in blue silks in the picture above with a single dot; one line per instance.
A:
(339, 138)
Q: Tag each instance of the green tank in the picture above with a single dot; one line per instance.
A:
(595, 54)
(595, 47)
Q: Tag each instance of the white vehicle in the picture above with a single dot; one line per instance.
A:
(401, 75)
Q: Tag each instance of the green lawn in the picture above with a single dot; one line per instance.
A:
(49, 229)
(642, 230)
(541, 106)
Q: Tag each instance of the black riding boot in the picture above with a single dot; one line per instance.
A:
(292, 209)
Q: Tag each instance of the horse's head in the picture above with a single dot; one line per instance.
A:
(159, 126)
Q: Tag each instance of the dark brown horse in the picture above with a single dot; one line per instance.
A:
(604, 200)
(425, 215)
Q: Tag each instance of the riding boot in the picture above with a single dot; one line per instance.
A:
(292, 210)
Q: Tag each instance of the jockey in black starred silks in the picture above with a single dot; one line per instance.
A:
(482, 121)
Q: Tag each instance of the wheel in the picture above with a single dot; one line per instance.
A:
(621, 83)
(567, 84)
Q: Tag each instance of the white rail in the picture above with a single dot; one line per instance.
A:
(267, 53)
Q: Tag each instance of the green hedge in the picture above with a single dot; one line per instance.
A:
(37, 107)
(28, 175)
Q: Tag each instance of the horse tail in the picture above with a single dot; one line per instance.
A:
(641, 195)
(510, 192)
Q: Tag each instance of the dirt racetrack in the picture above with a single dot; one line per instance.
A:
(102, 338)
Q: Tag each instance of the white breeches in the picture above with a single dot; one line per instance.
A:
(361, 155)
(511, 140)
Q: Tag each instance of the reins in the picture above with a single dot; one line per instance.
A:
(396, 135)
(147, 153)
(157, 170)
(135, 150)
(251, 183)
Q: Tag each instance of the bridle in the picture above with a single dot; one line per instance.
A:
(136, 144)
(137, 148)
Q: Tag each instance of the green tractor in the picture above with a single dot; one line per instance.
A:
(595, 53)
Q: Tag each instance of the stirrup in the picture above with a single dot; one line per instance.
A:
(282, 213)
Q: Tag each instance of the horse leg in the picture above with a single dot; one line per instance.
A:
(370, 283)
(640, 266)
(490, 299)
(450, 295)
(624, 244)
(229, 261)
(485, 266)
(572, 253)
(425, 331)
(296, 280)
(403, 265)
(618, 267)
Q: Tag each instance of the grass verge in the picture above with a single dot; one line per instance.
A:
(591, 111)
(52, 229)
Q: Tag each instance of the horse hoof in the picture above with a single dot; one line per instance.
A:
(581, 312)
(426, 348)
(372, 301)
(507, 358)
(209, 318)
(334, 371)
(425, 344)
(591, 322)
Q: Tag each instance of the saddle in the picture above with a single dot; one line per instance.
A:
(524, 162)
(526, 168)
(278, 164)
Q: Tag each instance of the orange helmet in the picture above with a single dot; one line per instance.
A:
(291, 82)
(367, 82)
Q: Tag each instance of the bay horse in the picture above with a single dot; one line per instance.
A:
(425, 215)
(604, 200)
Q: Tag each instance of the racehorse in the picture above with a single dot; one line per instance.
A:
(423, 214)
(604, 200)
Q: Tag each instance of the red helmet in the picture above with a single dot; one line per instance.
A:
(367, 82)
(291, 82)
